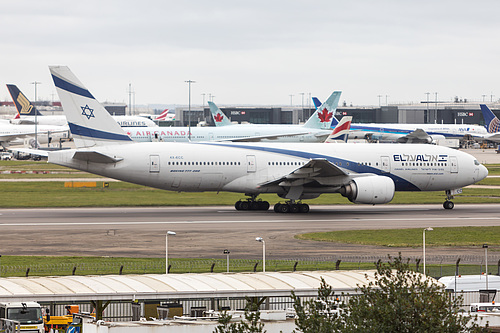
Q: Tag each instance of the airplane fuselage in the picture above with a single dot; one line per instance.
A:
(274, 133)
(244, 167)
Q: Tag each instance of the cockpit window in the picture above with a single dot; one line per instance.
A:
(476, 162)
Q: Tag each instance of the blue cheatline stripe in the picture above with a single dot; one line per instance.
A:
(400, 183)
(70, 87)
(96, 134)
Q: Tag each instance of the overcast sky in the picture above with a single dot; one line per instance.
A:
(255, 52)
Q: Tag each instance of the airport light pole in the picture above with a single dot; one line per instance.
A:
(379, 96)
(0, 266)
(226, 252)
(260, 239)
(171, 233)
(485, 247)
(189, 107)
(302, 115)
(36, 119)
(426, 229)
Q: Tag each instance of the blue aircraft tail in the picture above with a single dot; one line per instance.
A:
(23, 105)
(492, 122)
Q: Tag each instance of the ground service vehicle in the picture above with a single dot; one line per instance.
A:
(28, 314)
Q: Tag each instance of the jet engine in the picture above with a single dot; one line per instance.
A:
(369, 190)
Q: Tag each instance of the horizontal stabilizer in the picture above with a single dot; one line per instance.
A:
(95, 156)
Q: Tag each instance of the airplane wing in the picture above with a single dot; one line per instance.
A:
(39, 152)
(268, 137)
(493, 137)
(316, 170)
(417, 136)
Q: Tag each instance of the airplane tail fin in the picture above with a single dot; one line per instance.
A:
(316, 102)
(89, 122)
(163, 115)
(492, 122)
(324, 117)
(220, 119)
(341, 131)
(23, 105)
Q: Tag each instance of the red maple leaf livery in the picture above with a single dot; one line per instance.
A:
(325, 116)
(218, 117)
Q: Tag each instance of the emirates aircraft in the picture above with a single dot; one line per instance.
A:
(362, 173)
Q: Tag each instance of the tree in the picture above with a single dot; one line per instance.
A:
(397, 300)
(321, 315)
(251, 324)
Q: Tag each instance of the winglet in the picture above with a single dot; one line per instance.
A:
(341, 131)
(220, 119)
(23, 105)
(324, 117)
(492, 122)
(89, 122)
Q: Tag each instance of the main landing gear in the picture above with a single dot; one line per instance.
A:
(291, 207)
(251, 204)
(448, 204)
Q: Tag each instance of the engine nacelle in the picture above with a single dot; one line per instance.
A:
(369, 190)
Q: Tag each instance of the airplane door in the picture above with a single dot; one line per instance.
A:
(453, 164)
(251, 163)
(386, 164)
(154, 163)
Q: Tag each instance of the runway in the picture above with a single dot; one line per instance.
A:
(204, 232)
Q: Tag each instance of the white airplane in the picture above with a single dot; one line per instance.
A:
(27, 111)
(363, 173)
(316, 129)
(411, 133)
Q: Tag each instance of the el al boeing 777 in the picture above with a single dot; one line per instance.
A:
(363, 173)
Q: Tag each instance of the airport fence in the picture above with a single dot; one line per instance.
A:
(436, 266)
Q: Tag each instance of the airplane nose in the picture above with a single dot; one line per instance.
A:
(483, 172)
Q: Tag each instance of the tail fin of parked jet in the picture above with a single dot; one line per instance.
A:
(324, 115)
(89, 122)
(220, 119)
(163, 115)
(492, 122)
(341, 131)
(23, 105)
(316, 102)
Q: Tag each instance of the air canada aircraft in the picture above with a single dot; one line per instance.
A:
(27, 111)
(316, 129)
(368, 174)
(411, 133)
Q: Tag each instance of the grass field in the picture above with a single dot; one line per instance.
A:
(458, 236)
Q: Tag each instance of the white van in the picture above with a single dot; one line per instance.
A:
(29, 314)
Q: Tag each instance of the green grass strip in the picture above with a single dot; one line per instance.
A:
(456, 236)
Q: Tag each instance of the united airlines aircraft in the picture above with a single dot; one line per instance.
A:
(368, 174)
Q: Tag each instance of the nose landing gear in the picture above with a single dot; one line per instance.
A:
(448, 204)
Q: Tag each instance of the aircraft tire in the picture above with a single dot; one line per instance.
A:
(264, 205)
(304, 208)
(284, 208)
(237, 205)
(277, 207)
(244, 205)
(294, 208)
(448, 204)
(254, 205)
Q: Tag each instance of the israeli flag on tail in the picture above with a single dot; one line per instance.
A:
(325, 114)
(89, 122)
(341, 131)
